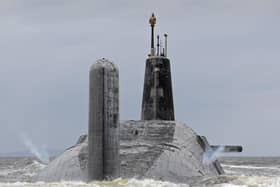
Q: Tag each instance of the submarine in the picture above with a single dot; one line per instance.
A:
(156, 146)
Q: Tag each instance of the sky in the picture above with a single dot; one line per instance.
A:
(225, 63)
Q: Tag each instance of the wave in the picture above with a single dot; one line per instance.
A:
(252, 181)
(221, 181)
(250, 167)
(22, 170)
(240, 181)
(115, 183)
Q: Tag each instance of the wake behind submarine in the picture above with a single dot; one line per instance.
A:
(154, 147)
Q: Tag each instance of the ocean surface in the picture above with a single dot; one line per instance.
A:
(240, 172)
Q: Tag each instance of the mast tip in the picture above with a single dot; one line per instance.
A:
(152, 20)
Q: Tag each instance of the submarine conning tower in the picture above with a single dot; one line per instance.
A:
(157, 102)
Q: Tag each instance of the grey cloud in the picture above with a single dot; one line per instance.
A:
(224, 58)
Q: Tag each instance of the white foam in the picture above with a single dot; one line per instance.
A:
(236, 181)
(29, 170)
(250, 167)
(115, 183)
(252, 181)
(230, 171)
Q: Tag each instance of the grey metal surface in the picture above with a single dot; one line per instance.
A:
(103, 128)
(157, 101)
(202, 140)
(95, 126)
(163, 150)
(111, 143)
(142, 142)
(228, 148)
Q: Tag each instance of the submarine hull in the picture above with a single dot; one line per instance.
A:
(162, 150)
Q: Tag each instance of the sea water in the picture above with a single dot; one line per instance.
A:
(240, 172)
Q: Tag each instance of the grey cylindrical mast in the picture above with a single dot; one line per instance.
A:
(165, 45)
(158, 49)
(103, 129)
(152, 22)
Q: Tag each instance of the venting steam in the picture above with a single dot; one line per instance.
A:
(210, 155)
(41, 154)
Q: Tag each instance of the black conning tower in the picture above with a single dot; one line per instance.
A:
(157, 102)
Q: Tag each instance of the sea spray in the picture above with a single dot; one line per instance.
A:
(41, 154)
(210, 155)
(114, 183)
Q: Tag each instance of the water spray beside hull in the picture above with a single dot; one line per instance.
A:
(213, 152)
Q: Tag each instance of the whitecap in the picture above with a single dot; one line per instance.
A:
(115, 183)
(250, 167)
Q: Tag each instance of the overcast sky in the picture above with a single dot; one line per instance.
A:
(225, 60)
